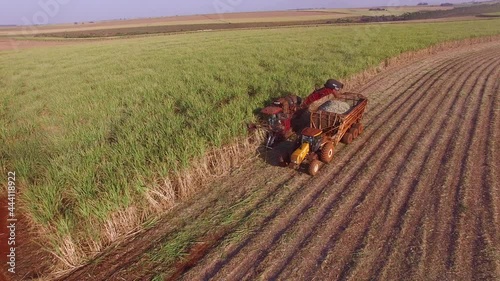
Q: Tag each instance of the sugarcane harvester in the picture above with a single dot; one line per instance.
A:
(277, 118)
(317, 142)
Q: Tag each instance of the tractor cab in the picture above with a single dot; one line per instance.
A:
(310, 142)
(313, 137)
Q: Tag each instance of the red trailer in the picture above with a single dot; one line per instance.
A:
(326, 130)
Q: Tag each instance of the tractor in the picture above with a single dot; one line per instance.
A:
(326, 130)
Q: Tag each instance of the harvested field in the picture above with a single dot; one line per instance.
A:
(14, 44)
(412, 199)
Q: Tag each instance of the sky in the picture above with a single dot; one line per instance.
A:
(28, 12)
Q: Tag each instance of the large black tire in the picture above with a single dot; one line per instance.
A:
(334, 84)
(347, 138)
(313, 167)
(327, 153)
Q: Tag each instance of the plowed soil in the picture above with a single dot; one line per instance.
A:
(415, 197)
(16, 44)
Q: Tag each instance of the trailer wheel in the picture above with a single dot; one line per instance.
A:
(354, 132)
(327, 152)
(360, 128)
(313, 167)
(347, 138)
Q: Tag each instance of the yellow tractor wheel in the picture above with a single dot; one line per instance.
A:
(327, 153)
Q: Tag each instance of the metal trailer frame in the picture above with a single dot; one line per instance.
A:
(334, 125)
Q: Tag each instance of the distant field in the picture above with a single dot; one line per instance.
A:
(89, 129)
(389, 10)
(279, 16)
(497, 14)
(183, 20)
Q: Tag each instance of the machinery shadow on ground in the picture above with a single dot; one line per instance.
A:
(279, 154)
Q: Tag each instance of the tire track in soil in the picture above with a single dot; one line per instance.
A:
(428, 220)
(441, 174)
(330, 229)
(463, 208)
(433, 191)
(239, 248)
(490, 222)
(472, 182)
(351, 240)
(442, 171)
(380, 233)
(470, 243)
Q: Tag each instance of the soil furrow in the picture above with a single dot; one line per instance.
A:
(213, 261)
(471, 245)
(388, 171)
(382, 236)
(429, 209)
(464, 225)
(491, 189)
(431, 223)
(430, 226)
(391, 93)
(436, 218)
(378, 102)
(395, 174)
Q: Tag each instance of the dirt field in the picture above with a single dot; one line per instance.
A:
(414, 198)
(24, 247)
(13, 44)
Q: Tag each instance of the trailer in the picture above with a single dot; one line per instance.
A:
(326, 131)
